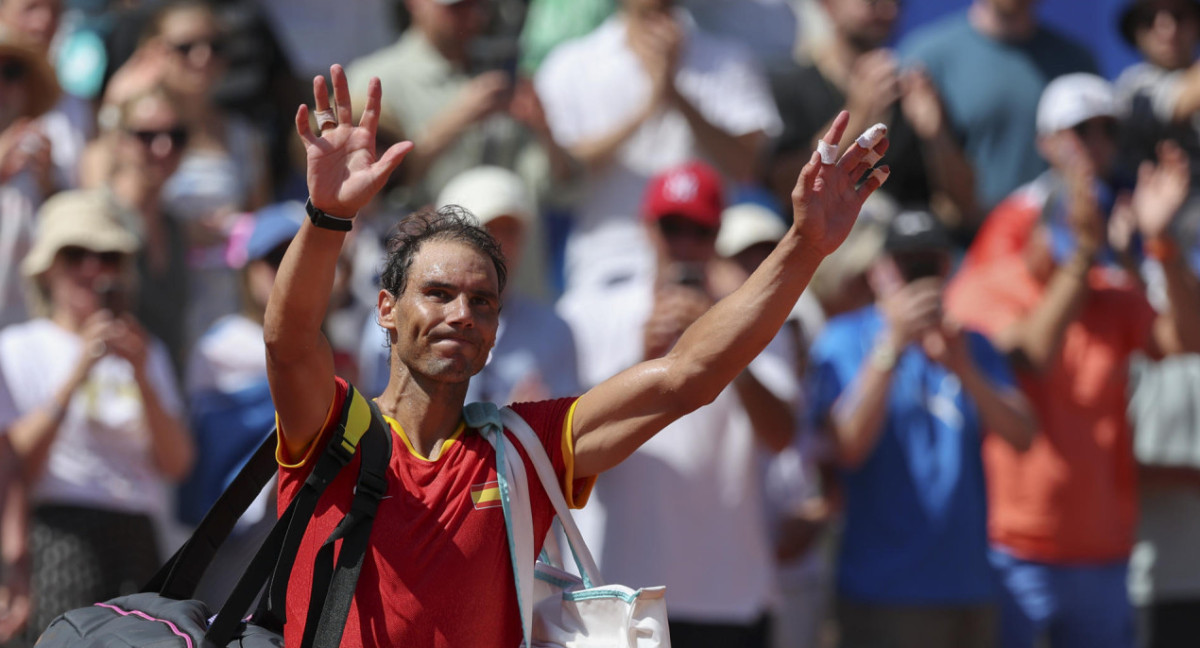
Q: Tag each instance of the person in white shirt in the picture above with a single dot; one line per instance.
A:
(686, 509)
(645, 91)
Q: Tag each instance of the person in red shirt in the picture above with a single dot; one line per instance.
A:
(1062, 515)
(437, 572)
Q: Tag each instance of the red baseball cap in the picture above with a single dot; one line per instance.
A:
(692, 190)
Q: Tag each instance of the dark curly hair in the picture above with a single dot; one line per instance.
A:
(450, 223)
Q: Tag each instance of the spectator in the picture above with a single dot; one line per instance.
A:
(89, 402)
(25, 163)
(223, 169)
(138, 157)
(852, 70)
(534, 355)
(230, 401)
(69, 124)
(906, 396)
(1164, 576)
(797, 510)
(1159, 97)
(692, 495)
(644, 92)
(454, 114)
(990, 65)
(1063, 514)
(1082, 104)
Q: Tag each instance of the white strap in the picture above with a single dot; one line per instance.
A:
(515, 499)
(545, 471)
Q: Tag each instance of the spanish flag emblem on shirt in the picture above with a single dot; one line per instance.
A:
(486, 495)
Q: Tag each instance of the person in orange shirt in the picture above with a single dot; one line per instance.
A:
(1063, 514)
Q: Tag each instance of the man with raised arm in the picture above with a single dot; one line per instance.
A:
(437, 572)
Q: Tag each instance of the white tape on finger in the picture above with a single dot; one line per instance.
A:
(881, 174)
(871, 157)
(871, 136)
(325, 118)
(828, 152)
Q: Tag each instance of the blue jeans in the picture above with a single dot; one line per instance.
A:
(1075, 606)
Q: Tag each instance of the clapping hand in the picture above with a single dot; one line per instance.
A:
(343, 172)
(826, 200)
(657, 41)
(1161, 191)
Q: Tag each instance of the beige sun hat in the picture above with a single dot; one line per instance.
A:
(44, 88)
(87, 219)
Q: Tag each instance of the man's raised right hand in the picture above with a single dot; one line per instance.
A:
(343, 172)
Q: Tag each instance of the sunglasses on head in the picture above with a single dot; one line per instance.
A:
(177, 135)
(12, 70)
(75, 255)
(185, 49)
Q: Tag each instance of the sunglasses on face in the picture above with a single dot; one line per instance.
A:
(185, 49)
(12, 70)
(177, 135)
(681, 226)
(75, 255)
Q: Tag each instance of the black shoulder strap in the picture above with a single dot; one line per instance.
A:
(179, 576)
(278, 552)
(333, 586)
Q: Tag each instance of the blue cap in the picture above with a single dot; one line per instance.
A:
(273, 225)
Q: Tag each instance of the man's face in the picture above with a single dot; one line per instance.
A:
(682, 240)
(444, 323)
(866, 23)
(1167, 32)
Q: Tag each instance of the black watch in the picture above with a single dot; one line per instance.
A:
(325, 221)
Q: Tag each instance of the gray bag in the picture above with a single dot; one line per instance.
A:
(165, 616)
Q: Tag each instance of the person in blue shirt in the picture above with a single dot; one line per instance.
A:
(990, 65)
(906, 396)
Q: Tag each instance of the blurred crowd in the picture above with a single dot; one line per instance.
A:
(979, 428)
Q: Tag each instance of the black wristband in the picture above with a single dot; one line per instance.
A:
(325, 221)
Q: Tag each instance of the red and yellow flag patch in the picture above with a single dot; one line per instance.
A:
(486, 495)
